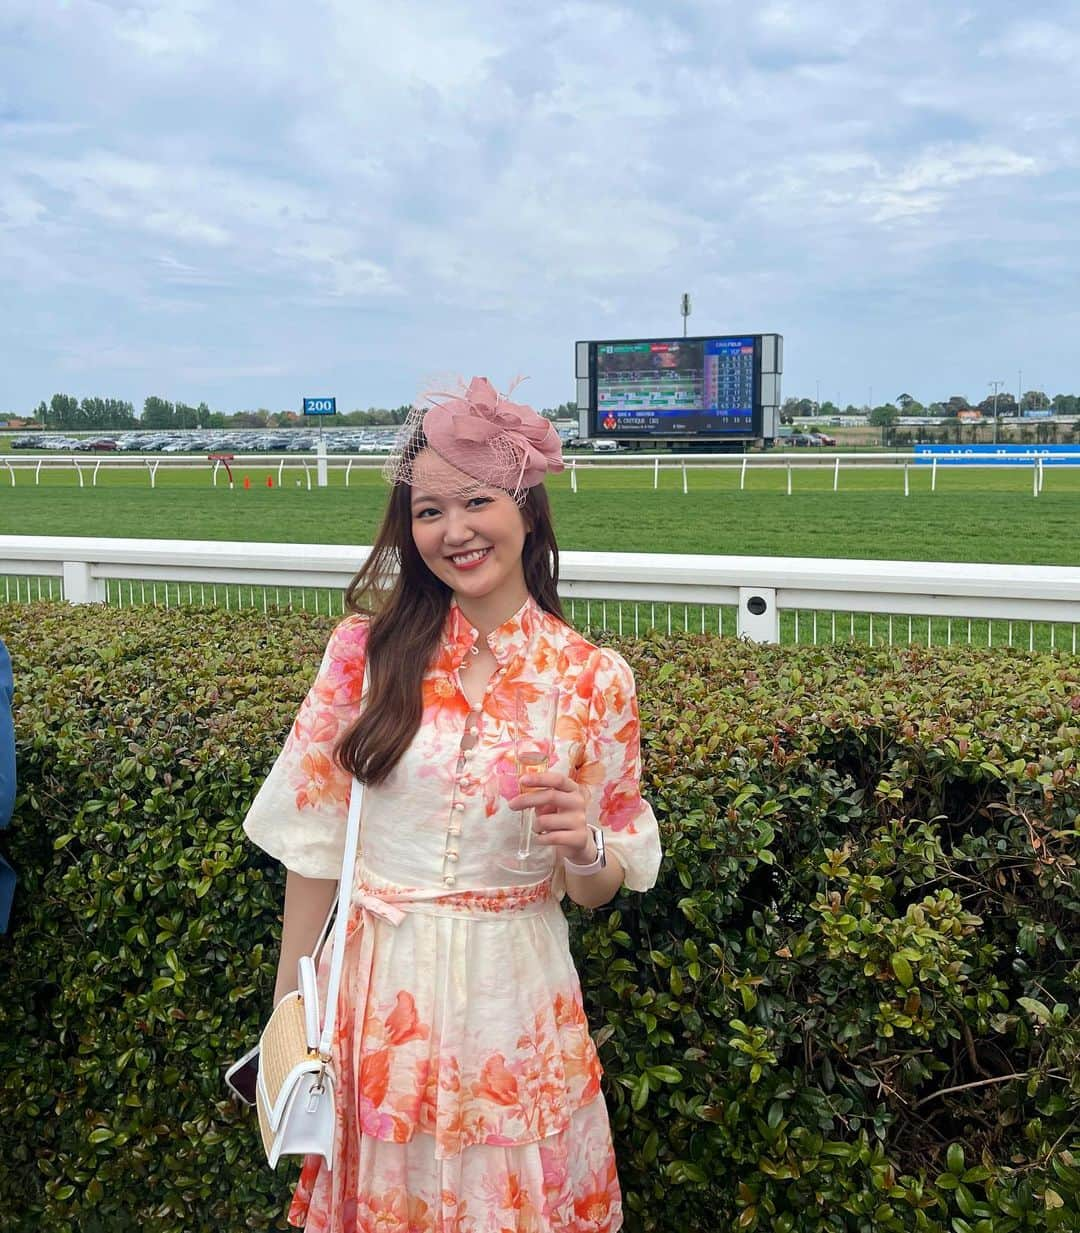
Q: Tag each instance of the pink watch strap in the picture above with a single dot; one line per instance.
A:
(594, 866)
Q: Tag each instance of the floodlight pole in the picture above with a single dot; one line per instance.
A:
(995, 386)
(685, 308)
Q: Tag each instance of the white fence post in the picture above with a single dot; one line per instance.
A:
(321, 462)
(80, 586)
(759, 619)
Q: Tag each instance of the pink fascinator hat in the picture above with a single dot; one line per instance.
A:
(482, 434)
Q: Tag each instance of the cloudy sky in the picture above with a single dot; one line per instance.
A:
(244, 203)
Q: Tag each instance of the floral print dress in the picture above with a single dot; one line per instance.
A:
(468, 1093)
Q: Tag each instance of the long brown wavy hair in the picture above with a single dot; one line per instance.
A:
(407, 606)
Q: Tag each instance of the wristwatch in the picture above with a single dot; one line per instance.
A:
(596, 865)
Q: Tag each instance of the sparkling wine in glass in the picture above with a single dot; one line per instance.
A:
(535, 711)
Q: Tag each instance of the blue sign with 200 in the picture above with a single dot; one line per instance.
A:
(320, 406)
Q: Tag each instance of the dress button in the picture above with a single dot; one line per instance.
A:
(454, 830)
(452, 855)
(479, 706)
(463, 782)
(459, 805)
(449, 880)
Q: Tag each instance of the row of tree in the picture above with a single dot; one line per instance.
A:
(904, 404)
(66, 412)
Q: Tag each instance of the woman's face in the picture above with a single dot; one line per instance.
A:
(473, 542)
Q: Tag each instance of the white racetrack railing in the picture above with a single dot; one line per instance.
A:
(88, 467)
(755, 595)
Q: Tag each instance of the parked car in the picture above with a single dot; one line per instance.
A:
(799, 439)
(823, 438)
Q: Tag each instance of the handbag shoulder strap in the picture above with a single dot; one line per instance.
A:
(341, 918)
(340, 909)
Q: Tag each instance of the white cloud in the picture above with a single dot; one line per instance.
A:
(1043, 42)
(169, 30)
(19, 207)
(942, 167)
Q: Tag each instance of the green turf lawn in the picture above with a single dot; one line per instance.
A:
(974, 515)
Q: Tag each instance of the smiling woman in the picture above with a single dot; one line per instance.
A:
(469, 1084)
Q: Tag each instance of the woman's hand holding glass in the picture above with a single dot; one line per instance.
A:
(559, 805)
(549, 804)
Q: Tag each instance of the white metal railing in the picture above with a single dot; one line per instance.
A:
(88, 467)
(757, 593)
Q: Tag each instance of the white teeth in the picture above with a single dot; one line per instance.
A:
(467, 558)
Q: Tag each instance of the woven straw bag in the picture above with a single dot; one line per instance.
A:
(294, 1093)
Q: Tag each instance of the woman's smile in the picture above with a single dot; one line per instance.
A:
(470, 559)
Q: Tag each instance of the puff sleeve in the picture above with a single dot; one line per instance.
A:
(610, 768)
(298, 815)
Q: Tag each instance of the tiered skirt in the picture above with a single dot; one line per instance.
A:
(468, 1087)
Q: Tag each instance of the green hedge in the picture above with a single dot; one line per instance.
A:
(850, 1004)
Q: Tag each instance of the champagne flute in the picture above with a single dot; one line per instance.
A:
(533, 717)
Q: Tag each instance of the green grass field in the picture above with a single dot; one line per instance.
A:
(980, 515)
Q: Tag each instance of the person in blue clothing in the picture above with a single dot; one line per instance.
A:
(7, 780)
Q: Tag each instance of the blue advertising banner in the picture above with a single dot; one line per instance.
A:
(999, 455)
(320, 406)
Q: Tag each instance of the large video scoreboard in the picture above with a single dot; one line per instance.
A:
(720, 387)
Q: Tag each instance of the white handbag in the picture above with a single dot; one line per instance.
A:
(294, 1091)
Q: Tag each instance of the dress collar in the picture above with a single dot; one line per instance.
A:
(506, 642)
